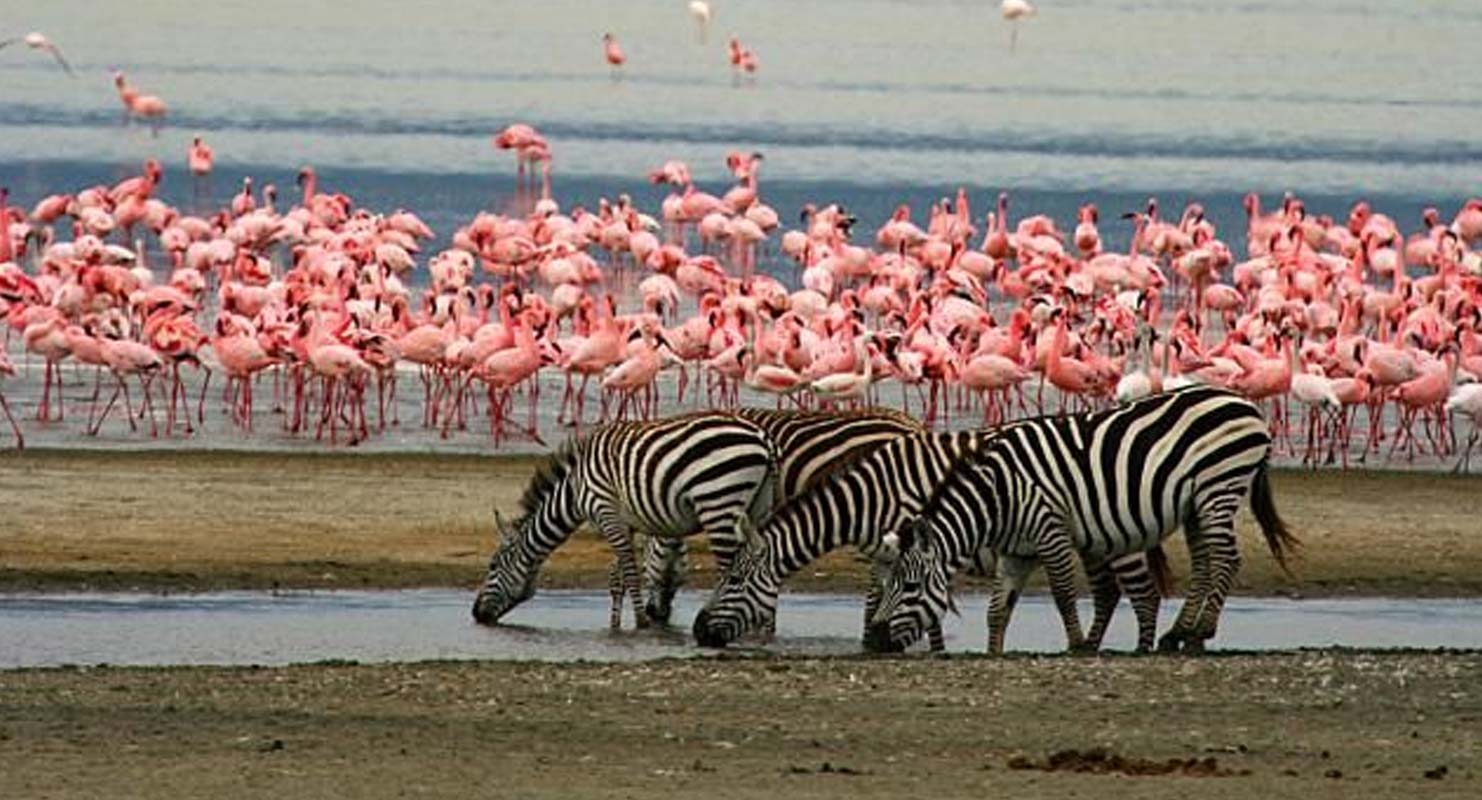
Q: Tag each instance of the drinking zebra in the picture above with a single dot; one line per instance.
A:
(810, 445)
(670, 478)
(862, 506)
(806, 445)
(1101, 485)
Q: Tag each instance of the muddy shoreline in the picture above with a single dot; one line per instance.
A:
(186, 522)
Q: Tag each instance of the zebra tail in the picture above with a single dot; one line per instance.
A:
(1280, 540)
(1161, 572)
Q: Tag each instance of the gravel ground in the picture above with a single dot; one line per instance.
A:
(1309, 724)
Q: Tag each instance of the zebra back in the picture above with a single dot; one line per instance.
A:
(812, 444)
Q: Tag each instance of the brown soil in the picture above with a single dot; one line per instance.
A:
(198, 521)
(1314, 724)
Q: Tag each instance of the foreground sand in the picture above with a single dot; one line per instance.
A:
(1339, 724)
(197, 521)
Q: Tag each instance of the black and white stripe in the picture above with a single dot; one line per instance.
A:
(669, 478)
(1101, 486)
(858, 506)
(809, 446)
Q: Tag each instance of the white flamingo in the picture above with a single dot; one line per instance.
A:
(37, 41)
(700, 12)
(1013, 11)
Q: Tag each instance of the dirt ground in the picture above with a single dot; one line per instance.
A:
(198, 521)
(1311, 725)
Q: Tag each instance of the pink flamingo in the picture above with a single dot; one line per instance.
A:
(613, 52)
(241, 356)
(200, 158)
(1070, 376)
(144, 106)
(126, 358)
(638, 373)
(48, 339)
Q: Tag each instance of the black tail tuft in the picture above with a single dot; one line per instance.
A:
(1280, 540)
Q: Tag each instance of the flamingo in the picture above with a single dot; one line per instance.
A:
(200, 157)
(846, 385)
(36, 41)
(1465, 400)
(1014, 12)
(613, 52)
(700, 13)
(144, 106)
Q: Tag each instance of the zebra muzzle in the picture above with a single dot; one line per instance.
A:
(877, 639)
(707, 635)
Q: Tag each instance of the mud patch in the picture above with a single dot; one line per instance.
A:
(1100, 761)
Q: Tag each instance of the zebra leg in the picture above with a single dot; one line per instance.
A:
(1059, 559)
(1104, 597)
(620, 539)
(615, 592)
(1198, 547)
(1143, 581)
(1218, 524)
(664, 569)
(1012, 571)
(872, 595)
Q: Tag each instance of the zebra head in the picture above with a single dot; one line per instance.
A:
(511, 577)
(914, 595)
(745, 596)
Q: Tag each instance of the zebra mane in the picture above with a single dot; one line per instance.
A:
(550, 473)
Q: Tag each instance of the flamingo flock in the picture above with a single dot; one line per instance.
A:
(1365, 337)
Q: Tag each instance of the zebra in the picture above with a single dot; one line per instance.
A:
(1103, 485)
(669, 478)
(809, 445)
(864, 505)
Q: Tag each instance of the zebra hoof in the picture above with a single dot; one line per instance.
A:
(1170, 642)
(1084, 649)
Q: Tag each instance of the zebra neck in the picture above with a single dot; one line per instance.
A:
(839, 512)
(550, 524)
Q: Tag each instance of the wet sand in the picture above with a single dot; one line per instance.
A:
(195, 521)
(1312, 724)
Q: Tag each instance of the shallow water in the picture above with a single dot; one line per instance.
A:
(376, 626)
(1133, 94)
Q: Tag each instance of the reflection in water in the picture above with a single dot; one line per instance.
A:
(374, 626)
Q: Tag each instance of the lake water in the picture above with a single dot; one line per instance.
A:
(373, 626)
(867, 101)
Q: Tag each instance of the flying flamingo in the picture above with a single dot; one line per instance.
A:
(36, 41)
(1015, 11)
